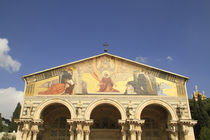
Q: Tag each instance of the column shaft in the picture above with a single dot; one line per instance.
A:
(87, 134)
(34, 136)
(25, 136)
(79, 136)
(139, 135)
(133, 135)
(29, 136)
(72, 135)
(19, 133)
(174, 136)
(35, 131)
(123, 135)
(82, 135)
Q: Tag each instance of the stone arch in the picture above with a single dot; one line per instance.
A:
(162, 103)
(48, 102)
(105, 101)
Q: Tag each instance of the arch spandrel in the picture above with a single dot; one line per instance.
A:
(48, 102)
(96, 103)
(162, 103)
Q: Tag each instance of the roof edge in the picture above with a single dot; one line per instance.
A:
(185, 77)
(132, 61)
(77, 61)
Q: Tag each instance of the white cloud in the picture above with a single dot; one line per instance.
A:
(141, 59)
(169, 58)
(6, 61)
(8, 100)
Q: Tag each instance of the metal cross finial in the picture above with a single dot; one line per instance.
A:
(106, 45)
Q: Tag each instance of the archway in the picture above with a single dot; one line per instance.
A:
(105, 101)
(55, 125)
(45, 103)
(156, 122)
(105, 125)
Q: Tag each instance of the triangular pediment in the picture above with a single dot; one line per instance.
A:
(105, 74)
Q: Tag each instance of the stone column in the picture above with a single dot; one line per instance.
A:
(187, 128)
(173, 129)
(122, 123)
(29, 135)
(124, 135)
(35, 128)
(134, 125)
(174, 136)
(35, 135)
(35, 131)
(71, 135)
(132, 128)
(19, 132)
(25, 124)
(71, 128)
(87, 134)
(139, 135)
(139, 130)
(79, 121)
(133, 134)
(79, 134)
(86, 128)
(25, 131)
(82, 135)
(79, 131)
(185, 132)
(135, 128)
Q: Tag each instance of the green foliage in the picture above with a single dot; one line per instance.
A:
(6, 126)
(207, 105)
(195, 116)
(1, 125)
(203, 116)
(7, 137)
(199, 111)
(16, 115)
(205, 133)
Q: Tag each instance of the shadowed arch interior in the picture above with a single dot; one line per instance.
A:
(156, 122)
(105, 117)
(55, 125)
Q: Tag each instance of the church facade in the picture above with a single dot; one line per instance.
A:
(105, 97)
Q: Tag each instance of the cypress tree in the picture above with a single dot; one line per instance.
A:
(195, 109)
(203, 115)
(205, 133)
(195, 116)
(1, 124)
(207, 105)
(16, 115)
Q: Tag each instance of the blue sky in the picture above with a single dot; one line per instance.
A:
(171, 35)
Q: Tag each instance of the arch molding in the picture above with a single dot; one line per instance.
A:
(162, 103)
(48, 102)
(96, 103)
